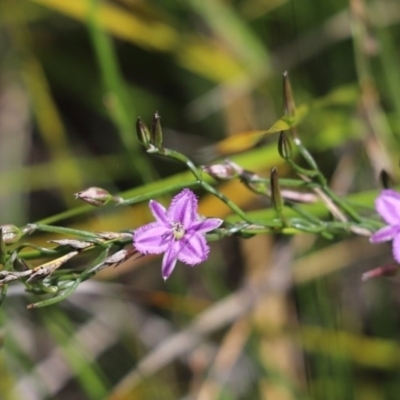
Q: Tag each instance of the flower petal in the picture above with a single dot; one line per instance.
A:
(194, 249)
(153, 238)
(183, 208)
(385, 234)
(388, 206)
(396, 248)
(169, 262)
(206, 225)
(158, 210)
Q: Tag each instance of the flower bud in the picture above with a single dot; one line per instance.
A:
(284, 146)
(384, 270)
(156, 131)
(386, 179)
(11, 234)
(223, 172)
(234, 166)
(95, 196)
(143, 133)
(276, 191)
(289, 106)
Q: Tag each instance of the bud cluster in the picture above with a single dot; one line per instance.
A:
(152, 138)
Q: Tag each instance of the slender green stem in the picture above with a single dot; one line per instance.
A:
(322, 180)
(182, 158)
(227, 201)
(63, 231)
(303, 213)
(342, 204)
(311, 162)
(307, 172)
(198, 175)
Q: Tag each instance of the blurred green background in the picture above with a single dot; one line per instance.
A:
(75, 75)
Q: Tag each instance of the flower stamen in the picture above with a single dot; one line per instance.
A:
(178, 230)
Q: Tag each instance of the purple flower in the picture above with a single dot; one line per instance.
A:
(387, 205)
(178, 232)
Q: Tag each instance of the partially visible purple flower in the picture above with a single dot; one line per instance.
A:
(387, 205)
(178, 232)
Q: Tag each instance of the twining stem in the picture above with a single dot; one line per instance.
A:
(225, 199)
(61, 230)
(182, 158)
(200, 181)
(322, 180)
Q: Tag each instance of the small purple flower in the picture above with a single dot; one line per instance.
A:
(387, 205)
(178, 232)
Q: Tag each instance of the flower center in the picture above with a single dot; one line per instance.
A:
(178, 230)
